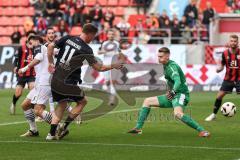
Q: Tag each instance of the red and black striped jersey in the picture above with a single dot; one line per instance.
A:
(232, 62)
(23, 57)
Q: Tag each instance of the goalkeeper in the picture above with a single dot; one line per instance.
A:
(177, 97)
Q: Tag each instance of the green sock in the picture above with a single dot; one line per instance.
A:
(190, 122)
(142, 116)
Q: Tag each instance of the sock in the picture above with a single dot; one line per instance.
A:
(112, 89)
(51, 105)
(47, 116)
(142, 116)
(191, 123)
(217, 105)
(15, 99)
(69, 108)
(53, 129)
(29, 115)
(67, 122)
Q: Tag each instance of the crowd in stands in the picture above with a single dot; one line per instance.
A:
(152, 28)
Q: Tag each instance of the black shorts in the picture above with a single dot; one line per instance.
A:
(227, 86)
(61, 97)
(21, 81)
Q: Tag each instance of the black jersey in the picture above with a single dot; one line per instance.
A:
(72, 52)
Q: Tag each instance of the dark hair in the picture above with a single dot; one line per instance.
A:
(49, 28)
(234, 36)
(89, 28)
(164, 50)
(35, 37)
(31, 32)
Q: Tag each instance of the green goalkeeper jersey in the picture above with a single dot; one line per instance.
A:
(175, 77)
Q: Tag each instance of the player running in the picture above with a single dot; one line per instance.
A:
(110, 50)
(67, 75)
(230, 59)
(40, 94)
(177, 97)
(23, 57)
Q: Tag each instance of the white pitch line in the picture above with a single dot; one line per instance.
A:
(113, 112)
(123, 145)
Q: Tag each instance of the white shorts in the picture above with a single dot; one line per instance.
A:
(40, 95)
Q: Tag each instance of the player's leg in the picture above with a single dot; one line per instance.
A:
(113, 92)
(51, 105)
(30, 85)
(144, 112)
(16, 96)
(56, 118)
(217, 105)
(29, 115)
(75, 112)
(178, 113)
(39, 110)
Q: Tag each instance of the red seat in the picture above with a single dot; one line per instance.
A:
(76, 31)
(103, 2)
(2, 31)
(91, 2)
(123, 2)
(112, 3)
(9, 31)
(5, 21)
(116, 20)
(16, 21)
(10, 11)
(5, 40)
(5, 3)
(23, 2)
(119, 11)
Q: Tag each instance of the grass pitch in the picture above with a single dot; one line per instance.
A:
(105, 138)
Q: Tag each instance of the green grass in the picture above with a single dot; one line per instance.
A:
(105, 137)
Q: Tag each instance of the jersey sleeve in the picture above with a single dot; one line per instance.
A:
(174, 75)
(61, 41)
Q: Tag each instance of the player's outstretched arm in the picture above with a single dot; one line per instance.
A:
(50, 50)
(32, 64)
(101, 68)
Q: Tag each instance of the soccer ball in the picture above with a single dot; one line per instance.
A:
(228, 109)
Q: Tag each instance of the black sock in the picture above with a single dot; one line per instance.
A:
(217, 105)
(53, 129)
(14, 100)
(67, 122)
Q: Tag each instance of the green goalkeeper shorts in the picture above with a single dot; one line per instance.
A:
(179, 100)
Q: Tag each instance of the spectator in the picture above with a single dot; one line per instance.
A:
(62, 28)
(52, 13)
(143, 3)
(236, 6)
(96, 15)
(152, 26)
(163, 17)
(123, 27)
(103, 34)
(40, 7)
(68, 8)
(41, 25)
(109, 16)
(175, 31)
(79, 15)
(208, 15)
(16, 36)
(28, 24)
(184, 31)
(191, 13)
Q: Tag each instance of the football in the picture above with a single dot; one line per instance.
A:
(228, 109)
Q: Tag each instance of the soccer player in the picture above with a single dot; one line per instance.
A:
(40, 94)
(230, 59)
(67, 75)
(23, 57)
(177, 97)
(111, 50)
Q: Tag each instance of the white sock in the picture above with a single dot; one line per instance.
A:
(47, 116)
(51, 105)
(30, 116)
(112, 89)
(69, 108)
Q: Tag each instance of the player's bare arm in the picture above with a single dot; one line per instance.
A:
(50, 50)
(101, 68)
(31, 65)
